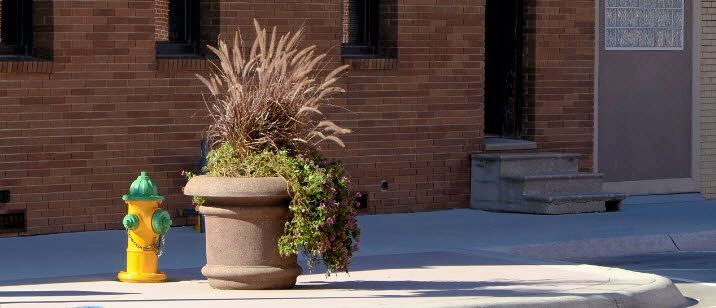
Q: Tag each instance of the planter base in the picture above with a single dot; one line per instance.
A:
(251, 277)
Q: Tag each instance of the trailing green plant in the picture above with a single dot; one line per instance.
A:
(265, 107)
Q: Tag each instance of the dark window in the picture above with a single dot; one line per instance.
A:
(182, 26)
(361, 27)
(504, 27)
(15, 28)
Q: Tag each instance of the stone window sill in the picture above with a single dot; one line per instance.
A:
(359, 63)
(504, 144)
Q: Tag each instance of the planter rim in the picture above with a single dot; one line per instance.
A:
(237, 187)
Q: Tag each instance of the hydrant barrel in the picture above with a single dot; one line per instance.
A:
(146, 226)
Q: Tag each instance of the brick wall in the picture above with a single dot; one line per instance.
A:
(559, 76)
(161, 22)
(73, 138)
(417, 123)
(416, 117)
(77, 129)
(708, 98)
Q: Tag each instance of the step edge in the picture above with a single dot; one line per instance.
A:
(553, 176)
(575, 196)
(522, 156)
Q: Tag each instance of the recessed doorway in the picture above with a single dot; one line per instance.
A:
(503, 68)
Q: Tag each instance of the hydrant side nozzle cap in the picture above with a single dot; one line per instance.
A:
(161, 222)
(130, 221)
(142, 189)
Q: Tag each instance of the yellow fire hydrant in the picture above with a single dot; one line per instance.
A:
(146, 226)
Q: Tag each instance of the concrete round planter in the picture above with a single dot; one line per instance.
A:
(244, 217)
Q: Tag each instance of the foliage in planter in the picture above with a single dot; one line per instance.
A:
(265, 107)
(323, 225)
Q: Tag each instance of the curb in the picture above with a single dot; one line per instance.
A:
(659, 292)
(616, 246)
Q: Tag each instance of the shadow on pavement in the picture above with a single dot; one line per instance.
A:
(420, 289)
(360, 263)
(57, 293)
(66, 279)
(445, 288)
(439, 287)
(434, 258)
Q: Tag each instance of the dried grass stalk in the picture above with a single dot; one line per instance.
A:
(270, 98)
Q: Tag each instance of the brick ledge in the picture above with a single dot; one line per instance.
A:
(182, 64)
(372, 63)
(26, 66)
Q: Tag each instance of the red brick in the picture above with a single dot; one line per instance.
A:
(100, 107)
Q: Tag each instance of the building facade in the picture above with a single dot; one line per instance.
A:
(106, 88)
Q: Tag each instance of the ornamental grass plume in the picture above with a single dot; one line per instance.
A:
(270, 98)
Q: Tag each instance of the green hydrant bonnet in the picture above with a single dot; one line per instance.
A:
(142, 189)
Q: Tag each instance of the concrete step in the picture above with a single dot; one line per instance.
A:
(572, 203)
(519, 185)
(538, 183)
(495, 165)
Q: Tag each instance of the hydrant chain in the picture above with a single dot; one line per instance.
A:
(160, 246)
(156, 246)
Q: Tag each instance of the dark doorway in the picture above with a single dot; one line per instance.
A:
(503, 68)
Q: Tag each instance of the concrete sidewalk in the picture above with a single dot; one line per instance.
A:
(644, 225)
(434, 279)
(470, 256)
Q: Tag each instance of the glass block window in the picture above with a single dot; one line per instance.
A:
(644, 25)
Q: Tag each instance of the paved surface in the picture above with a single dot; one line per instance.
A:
(431, 279)
(478, 242)
(693, 272)
(645, 225)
